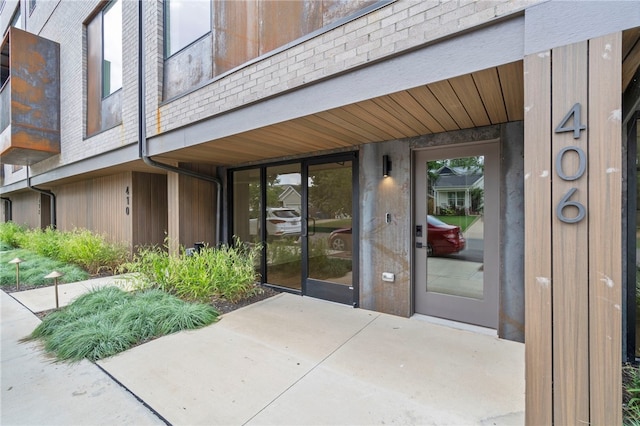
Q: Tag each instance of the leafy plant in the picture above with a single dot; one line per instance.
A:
(81, 247)
(107, 321)
(227, 272)
(11, 234)
(631, 395)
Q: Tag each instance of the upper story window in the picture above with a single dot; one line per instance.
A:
(112, 48)
(17, 19)
(185, 21)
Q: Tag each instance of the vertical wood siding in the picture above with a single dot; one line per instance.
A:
(573, 270)
(537, 188)
(98, 205)
(26, 209)
(605, 203)
(197, 208)
(149, 209)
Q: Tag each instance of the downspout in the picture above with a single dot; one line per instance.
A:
(9, 205)
(142, 128)
(54, 222)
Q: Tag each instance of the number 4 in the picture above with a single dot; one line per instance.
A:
(576, 112)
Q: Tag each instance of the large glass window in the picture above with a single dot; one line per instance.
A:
(112, 48)
(185, 22)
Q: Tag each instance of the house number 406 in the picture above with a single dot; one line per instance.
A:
(566, 201)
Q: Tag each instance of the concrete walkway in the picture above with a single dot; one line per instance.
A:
(285, 360)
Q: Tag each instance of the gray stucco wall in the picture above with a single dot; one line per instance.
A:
(387, 247)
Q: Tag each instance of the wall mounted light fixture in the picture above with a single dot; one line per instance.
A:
(386, 165)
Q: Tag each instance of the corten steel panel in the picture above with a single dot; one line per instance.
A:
(334, 10)
(94, 76)
(284, 21)
(111, 110)
(235, 29)
(34, 130)
(188, 68)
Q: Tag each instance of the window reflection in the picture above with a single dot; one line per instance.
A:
(185, 22)
(455, 227)
(112, 48)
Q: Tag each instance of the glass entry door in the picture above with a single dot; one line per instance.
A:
(329, 232)
(457, 233)
(302, 213)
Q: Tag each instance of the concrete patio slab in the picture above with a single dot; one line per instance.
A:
(37, 391)
(298, 360)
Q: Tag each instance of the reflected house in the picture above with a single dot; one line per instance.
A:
(455, 188)
(290, 197)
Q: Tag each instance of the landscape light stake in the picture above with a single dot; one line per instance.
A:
(17, 261)
(55, 275)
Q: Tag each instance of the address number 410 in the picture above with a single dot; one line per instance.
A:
(575, 114)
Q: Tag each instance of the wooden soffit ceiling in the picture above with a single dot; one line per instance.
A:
(490, 96)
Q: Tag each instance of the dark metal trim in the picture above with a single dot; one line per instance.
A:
(629, 244)
(51, 195)
(142, 128)
(9, 205)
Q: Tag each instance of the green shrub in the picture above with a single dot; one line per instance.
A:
(11, 234)
(107, 321)
(91, 251)
(631, 395)
(81, 247)
(227, 272)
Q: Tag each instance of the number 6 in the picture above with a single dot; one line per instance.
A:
(566, 203)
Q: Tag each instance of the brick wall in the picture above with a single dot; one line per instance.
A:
(400, 26)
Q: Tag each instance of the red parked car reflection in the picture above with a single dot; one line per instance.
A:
(442, 238)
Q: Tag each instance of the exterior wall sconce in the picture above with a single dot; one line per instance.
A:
(17, 261)
(386, 165)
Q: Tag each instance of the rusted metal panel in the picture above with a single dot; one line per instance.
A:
(236, 33)
(284, 21)
(94, 76)
(33, 88)
(188, 68)
(334, 10)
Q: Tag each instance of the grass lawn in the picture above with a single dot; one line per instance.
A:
(34, 268)
(462, 221)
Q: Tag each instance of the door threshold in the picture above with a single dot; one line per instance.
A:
(457, 325)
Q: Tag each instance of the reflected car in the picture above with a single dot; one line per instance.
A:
(442, 238)
(281, 222)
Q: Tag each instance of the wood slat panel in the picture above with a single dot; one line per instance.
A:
(570, 244)
(321, 124)
(512, 90)
(388, 121)
(323, 136)
(445, 94)
(342, 118)
(629, 39)
(466, 90)
(630, 65)
(430, 103)
(488, 84)
(605, 262)
(405, 99)
(401, 113)
(357, 115)
(537, 239)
